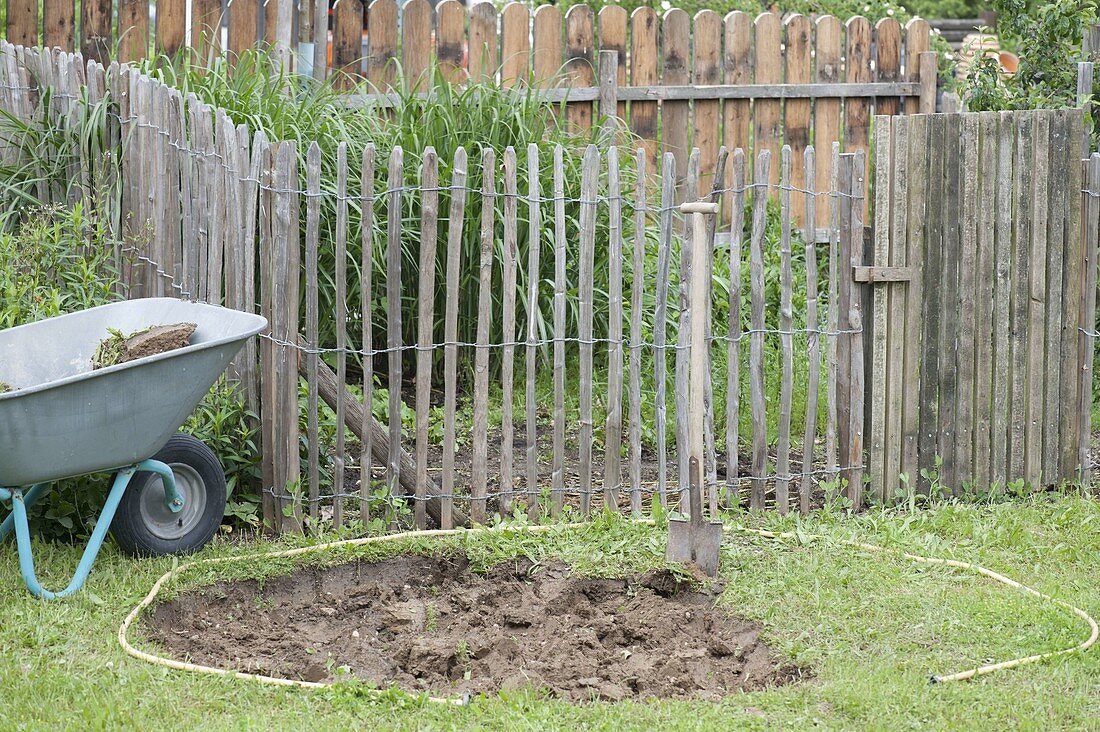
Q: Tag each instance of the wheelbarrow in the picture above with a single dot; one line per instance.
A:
(63, 419)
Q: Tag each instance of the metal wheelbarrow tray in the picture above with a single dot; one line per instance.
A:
(62, 419)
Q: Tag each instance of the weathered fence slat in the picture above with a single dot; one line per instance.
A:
(734, 335)
(855, 325)
(450, 329)
(975, 278)
(508, 329)
(897, 308)
(339, 461)
(683, 335)
(813, 366)
(366, 307)
(736, 113)
(394, 204)
(930, 313)
(832, 343)
(1091, 250)
(1055, 249)
(880, 384)
(560, 285)
(643, 72)
(1002, 274)
(425, 321)
(479, 467)
(796, 112)
(534, 245)
(1037, 274)
(786, 338)
(637, 294)
(660, 320)
(589, 189)
(706, 71)
(613, 423)
(1066, 455)
(1021, 225)
(756, 344)
(313, 235)
(827, 111)
(676, 69)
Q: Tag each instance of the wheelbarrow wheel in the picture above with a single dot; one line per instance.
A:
(145, 526)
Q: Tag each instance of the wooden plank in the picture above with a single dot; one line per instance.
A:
(320, 38)
(285, 299)
(339, 462)
(347, 42)
(265, 153)
(643, 72)
(975, 284)
(22, 22)
(479, 469)
(734, 335)
(761, 176)
(660, 321)
(1021, 267)
(450, 328)
(483, 42)
(832, 343)
(515, 42)
(206, 23)
(451, 40)
(534, 282)
(1055, 252)
(366, 310)
(58, 24)
(1073, 272)
(1090, 251)
(844, 360)
(560, 287)
(796, 113)
(133, 25)
(813, 365)
(589, 189)
(827, 55)
(637, 295)
(425, 322)
(683, 335)
(96, 34)
(394, 344)
(709, 439)
(547, 48)
(786, 340)
(508, 328)
(887, 63)
(984, 323)
(880, 384)
(855, 324)
(612, 23)
(249, 191)
(914, 245)
(767, 113)
(171, 26)
(613, 424)
(948, 286)
(930, 307)
(382, 31)
(857, 112)
(244, 26)
(676, 69)
(579, 63)
(1002, 272)
(1037, 285)
(606, 79)
(313, 236)
(416, 44)
(916, 43)
(215, 213)
(898, 308)
(706, 70)
(736, 114)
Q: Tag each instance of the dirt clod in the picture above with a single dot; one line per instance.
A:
(118, 348)
(431, 624)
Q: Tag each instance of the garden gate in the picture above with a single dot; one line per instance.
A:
(984, 282)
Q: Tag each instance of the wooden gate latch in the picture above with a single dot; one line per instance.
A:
(870, 275)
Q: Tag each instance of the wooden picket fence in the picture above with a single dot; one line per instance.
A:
(683, 82)
(207, 210)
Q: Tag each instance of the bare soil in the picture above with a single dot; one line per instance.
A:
(431, 624)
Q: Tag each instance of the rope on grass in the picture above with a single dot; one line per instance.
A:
(124, 629)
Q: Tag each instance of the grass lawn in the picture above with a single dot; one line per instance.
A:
(871, 627)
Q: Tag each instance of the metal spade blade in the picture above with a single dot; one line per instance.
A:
(695, 540)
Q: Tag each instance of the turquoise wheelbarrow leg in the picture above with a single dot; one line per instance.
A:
(95, 543)
(35, 492)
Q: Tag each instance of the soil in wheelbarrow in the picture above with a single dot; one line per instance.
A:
(431, 624)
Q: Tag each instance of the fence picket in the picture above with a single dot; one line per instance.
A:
(515, 41)
(589, 190)
(643, 72)
(1021, 344)
(660, 321)
(767, 113)
(579, 67)
(761, 173)
(783, 460)
(857, 110)
(736, 113)
(827, 111)
(313, 235)
(1055, 253)
(483, 42)
(612, 22)
(382, 32)
(366, 310)
(560, 285)
(534, 269)
(637, 285)
(733, 345)
(479, 472)
(416, 47)
(813, 366)
(613, 425)
(546, 55)
(450, 329)
(706, 70)
(897, 306)
(508, 329)
(1073, 241)
(676, 44)
(339, 460)
(394, 204)
(425, 322)
(683, 335)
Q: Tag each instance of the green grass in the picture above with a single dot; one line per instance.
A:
(871, 628)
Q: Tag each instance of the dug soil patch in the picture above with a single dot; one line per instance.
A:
(431, 624)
